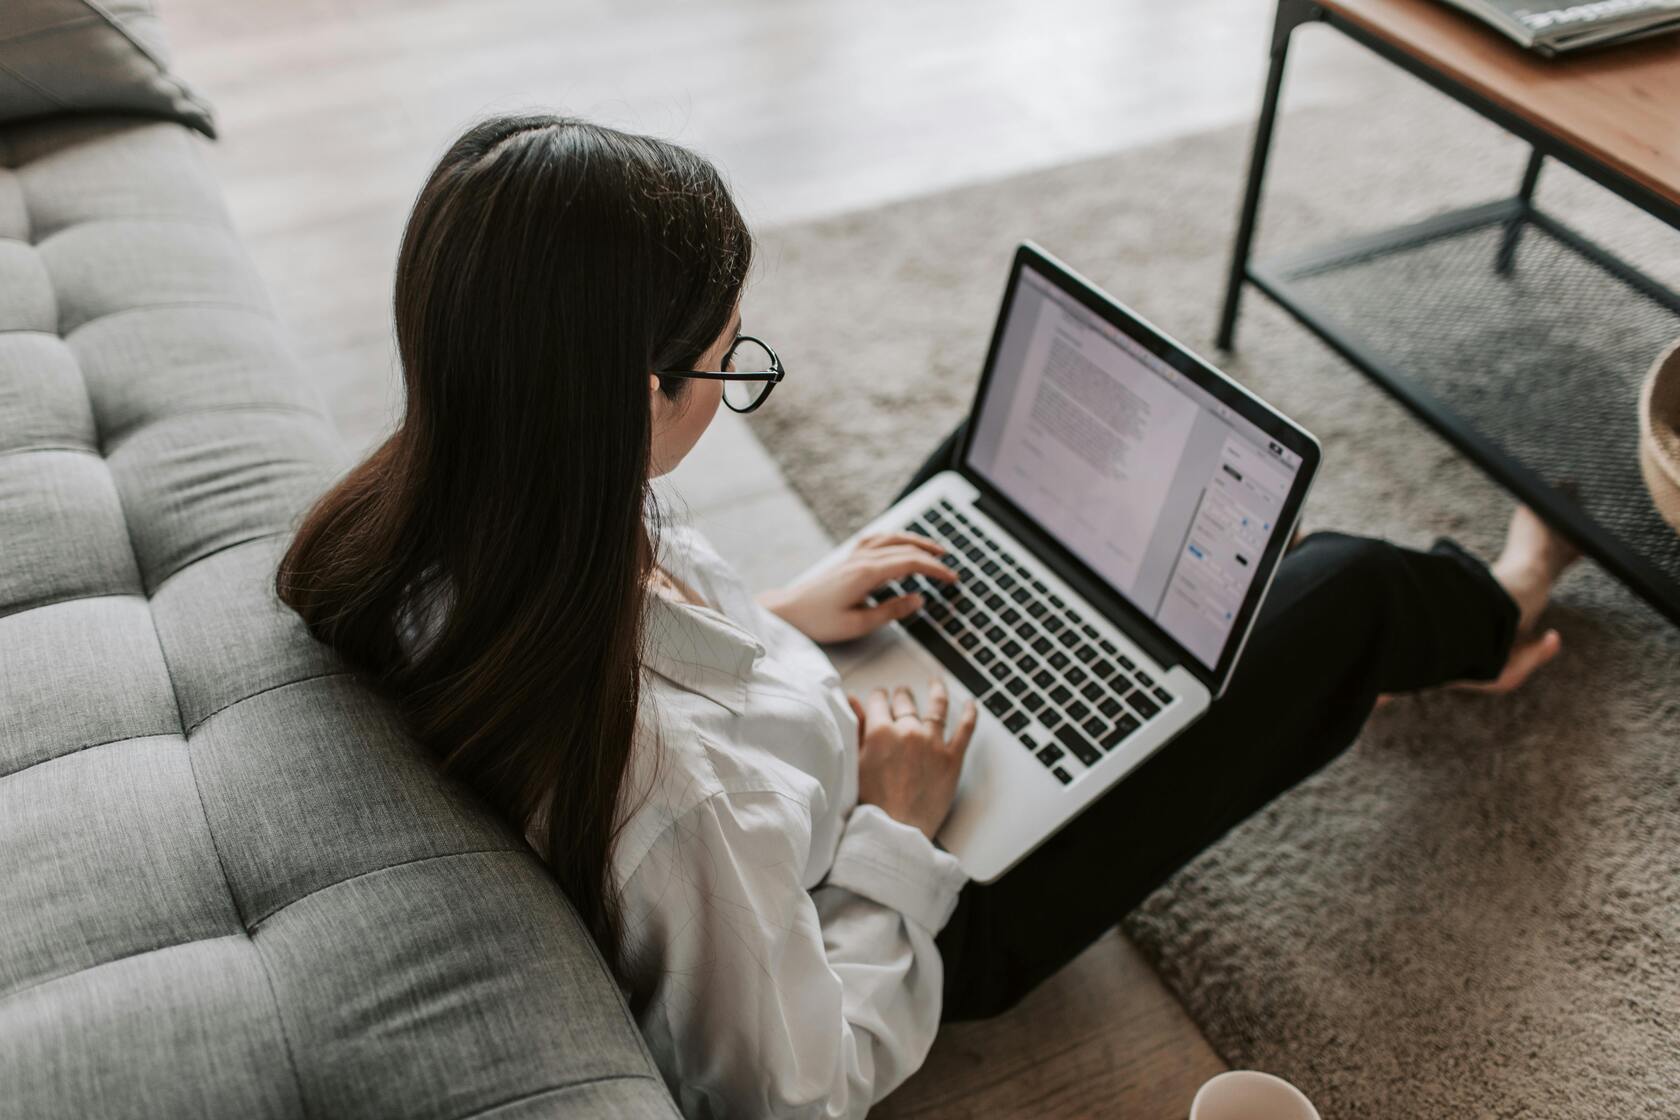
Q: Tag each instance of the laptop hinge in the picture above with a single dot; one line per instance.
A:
(1125, 616)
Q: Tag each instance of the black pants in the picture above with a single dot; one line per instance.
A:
(1347, 618)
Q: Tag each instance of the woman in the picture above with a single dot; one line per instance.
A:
(751, 847)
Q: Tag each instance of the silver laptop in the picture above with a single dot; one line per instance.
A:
(1117, 515)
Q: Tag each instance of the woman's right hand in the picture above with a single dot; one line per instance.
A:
(906, 765)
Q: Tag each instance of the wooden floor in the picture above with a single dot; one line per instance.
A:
(332, 111)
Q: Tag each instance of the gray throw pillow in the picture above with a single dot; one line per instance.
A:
(63, 56)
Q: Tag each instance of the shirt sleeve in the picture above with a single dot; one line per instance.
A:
(767, 1000)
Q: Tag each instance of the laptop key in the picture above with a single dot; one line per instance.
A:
(1011, 648)
(1051, 623)
(1051, 755)
(1104, 670)
(1060, 694)
(1128, 724)
(1074, 674)
(1109, 706)
(1020, 595)
(968, 639)
(1038, 610)
(998, 704)
(1030, 743)
(1094, 728)
(1107, 646)
(1080, 747)
(1143, 705)
(1000, 670)
(1092, 691)
(1015, 685)
(1058, 660)
(1050, 717)
(996, 634)
(1026, 663)
(995, 601)
(1162, 695)
(1011, 616)
(1127, 663)
(1043, 678)
(1015, 721)
(1078, 710)
(1044, 645)
(1069, 638)
(1062, 775)
(1086, 653)
(984, 656)
(1144, 678)
(955, 663)
(1032, 701)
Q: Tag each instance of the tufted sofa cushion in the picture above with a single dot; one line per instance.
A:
(232, 886)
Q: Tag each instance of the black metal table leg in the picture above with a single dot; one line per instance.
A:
(1575, 476)
(1290, 15)
(1514, 228)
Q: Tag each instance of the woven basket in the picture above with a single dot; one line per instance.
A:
(1659, 435)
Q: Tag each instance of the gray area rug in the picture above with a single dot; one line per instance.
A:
(1476, 911)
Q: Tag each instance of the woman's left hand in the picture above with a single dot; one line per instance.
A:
(829, 606)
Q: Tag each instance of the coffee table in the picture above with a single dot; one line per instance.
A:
(1519, 340)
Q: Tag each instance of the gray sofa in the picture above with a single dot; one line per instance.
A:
(231, 886)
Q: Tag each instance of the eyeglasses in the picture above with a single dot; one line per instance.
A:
(750, 370)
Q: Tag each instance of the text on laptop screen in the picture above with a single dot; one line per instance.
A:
(1157, 486)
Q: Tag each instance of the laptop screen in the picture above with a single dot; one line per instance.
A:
(1154, 484)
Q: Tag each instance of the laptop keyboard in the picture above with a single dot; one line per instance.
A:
(1068, 694)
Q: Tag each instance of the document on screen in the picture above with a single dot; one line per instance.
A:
(1095, 436)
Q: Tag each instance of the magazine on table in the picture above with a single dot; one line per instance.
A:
(1552, 28)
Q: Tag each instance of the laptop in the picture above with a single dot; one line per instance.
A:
(1115, 519)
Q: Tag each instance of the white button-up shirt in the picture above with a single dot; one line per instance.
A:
(779, 937)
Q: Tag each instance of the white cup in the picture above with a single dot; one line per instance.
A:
(1245, 1094)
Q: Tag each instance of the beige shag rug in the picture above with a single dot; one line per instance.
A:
(1476, 911)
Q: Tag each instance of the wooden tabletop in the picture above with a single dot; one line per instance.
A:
(1619, 105)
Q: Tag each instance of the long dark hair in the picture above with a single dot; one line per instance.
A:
(548, 266)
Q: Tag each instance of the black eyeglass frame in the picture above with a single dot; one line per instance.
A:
(771, 377)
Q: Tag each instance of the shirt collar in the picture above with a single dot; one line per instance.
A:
(700, 650)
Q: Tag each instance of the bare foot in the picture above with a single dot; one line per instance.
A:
(1527, 655)
(1533, 559)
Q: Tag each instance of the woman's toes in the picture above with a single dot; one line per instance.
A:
(1526, 657)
